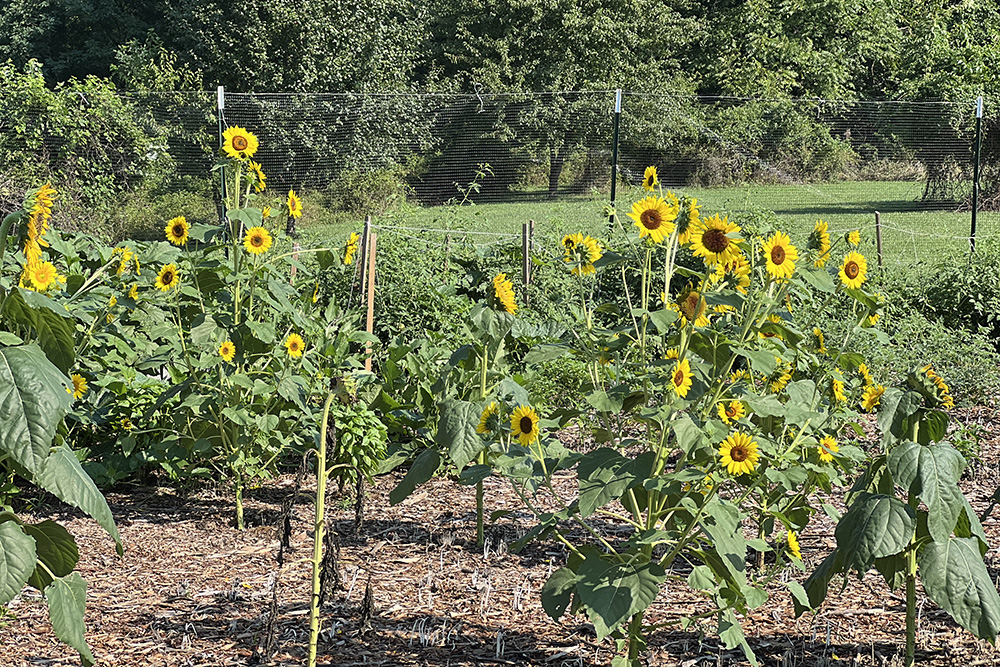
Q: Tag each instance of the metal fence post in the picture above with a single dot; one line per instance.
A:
(614, 153)
(975, 171)
(221, 106)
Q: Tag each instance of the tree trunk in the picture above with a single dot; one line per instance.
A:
(556, 160)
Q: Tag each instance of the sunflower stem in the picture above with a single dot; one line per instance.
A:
(318, 527)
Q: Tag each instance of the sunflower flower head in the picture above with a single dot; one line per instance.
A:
(654, 217)
(780, 256)
(167, 278)
(503, 293)
(295, 345)
(257, 240)
(739, 453)
(871, 397)
(79, 385)
(681, 378)
(854, 237)
(489, 420)
(818, 341)
(854, 270)
(227, 351)
(649, 179)
(256, 173)
(580, 252)
(715, 240)
(524, 424)
(294, 204)
(177, 230)
(793, 545)
(827, 448)
(692, 307)
(351, 248)
(43, 276)
(239, 143)
(819, 241)
(731, 412)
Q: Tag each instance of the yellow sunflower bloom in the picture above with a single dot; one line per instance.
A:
(654, 217)
(295, 345)
(257, 241)
(731, 412)
(827, 448)
(257, 174)
(866, 374)
(818, 340)
(819, 241)
(871, 397)
(167, 278)
(351, 248)
(227, 350)
(838, 391)
(649, 180)
(524, 424)
(681, 378)
(686, 224)
(503, 290)
(294, 204)
(133, 292)
(42, 275)
(854, 270)
(780, 255)
(854, 238)
(585, 252)
(266, 213)
(739, 453)
(79, 385)
(488, 421)
(692, 307)
(177, 230)
(793, 545)
(239, 143)
(714, 240)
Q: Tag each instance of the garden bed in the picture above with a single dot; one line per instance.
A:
(191, 590)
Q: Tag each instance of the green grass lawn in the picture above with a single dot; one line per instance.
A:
(910, 231)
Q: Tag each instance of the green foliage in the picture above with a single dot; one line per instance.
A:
(361, 440)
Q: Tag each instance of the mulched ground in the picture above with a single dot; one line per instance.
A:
(192, 591)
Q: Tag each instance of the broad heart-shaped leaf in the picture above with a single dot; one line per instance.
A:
(558, 591)
(605, 475)
(33, 400)
(423, 468)
(457, 431)
(896, 409)
(67, 598)
(55, 547)
(721, 522)
(17, 560)
(875, 526)
(543, 352)
(612, 592)
(932, 473)
(55, 331)
(955, 577)
(731, 634)
(64, 477)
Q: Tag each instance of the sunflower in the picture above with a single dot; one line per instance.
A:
(503, 289)
(871, 397)
(524, 424)
(827, 448)
(873, 319)
(680, 378)
(295, 345)
(714, 240)
(819, 241)
(257, 173)
(177, 230)
(257, 240)
(125, 256)
(489, 420)
(838, 391)
(731, 412)
(167, 278)
(741, 374)
(687, 223)
(42, 275)
(692, 308)
(781, 376)
(351, 248)
(853, 272)
(780, 255)
(793, 545)
(294, 205)
(227, 350)
(866, 374)
(649, 180)
(854, 238)
(654, 217)
(739, 453)
(239, 143)
(79, 385)
(585, 252)
(133, 291)
(671, 354)
(819, 342)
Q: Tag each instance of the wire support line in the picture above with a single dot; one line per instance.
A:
(440, 244)
(439, 230)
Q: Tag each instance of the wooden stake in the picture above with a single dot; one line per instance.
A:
(370, 319)
(527, 231)
(878, 237)
(295, 257)
(363, 267)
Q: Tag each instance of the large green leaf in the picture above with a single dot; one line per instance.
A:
(33, 400)
(931, 472)
(721, 522)
(818, 582)
(17, 560)
(64, 477)
(54, 547)
(557, 592)
(955, 577)
(54, 328)
(457, 431)
(605, 475)
(612, 592)
(423, 468)
(67, 598)
(875, 526)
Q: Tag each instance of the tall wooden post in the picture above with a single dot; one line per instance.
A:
(527, 232)
(878, 237)
(370, 318)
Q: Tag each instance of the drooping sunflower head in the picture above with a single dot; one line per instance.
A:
(715, 240)
(780, 256)
(827, 448)
(167, 278)
(793, 545)
(681, 378)
(79, 385)
(865, 374)
(351, 248)
(503, 293)
(731, 412)
(256, 173)
(524, 424)
(257, 240)
(819, 240)
(133, 291)
(294, 204)
(295, 345)
(177, 230)
(239, 143)
(854, 270)
(489, 420)
(818, 341)
(872, 397)
(837, 387)
(739, 453)
(654, 217)
(692, 307)
(780, 377)
(649, 179)
(227, 350)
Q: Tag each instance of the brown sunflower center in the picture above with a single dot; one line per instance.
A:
(715, 240)
(730, 412)
(178, 231)
(739, 453)
(852, 270)
(168, 277)
(256, 240)
(777, 255)
(240, 143)
(678, 377)
(693, 306)
(651, 219)
(527, 426)
(294, 346)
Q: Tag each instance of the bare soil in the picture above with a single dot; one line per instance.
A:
(192, 591)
